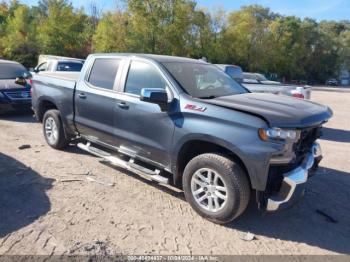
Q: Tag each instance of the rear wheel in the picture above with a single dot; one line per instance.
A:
(216, 187)
(53, 130)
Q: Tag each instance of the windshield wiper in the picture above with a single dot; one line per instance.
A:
(207, 97)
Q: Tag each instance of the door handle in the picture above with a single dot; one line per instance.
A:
(82, 95)
(123, 105)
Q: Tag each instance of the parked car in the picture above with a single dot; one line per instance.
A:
(256, 86)
(233, 71)
(15, 84)
(303, 92)
(257, 78)
(256, 82)
(186, 123)
(332, 82)
(48, 63)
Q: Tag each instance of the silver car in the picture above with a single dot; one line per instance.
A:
(258, 83)
(258, 78)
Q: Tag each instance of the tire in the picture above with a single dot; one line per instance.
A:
(57, 139)
(226, 205)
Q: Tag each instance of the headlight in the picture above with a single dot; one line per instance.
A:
(275, 133)
(1, 95)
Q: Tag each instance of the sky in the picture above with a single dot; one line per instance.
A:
(316, 9)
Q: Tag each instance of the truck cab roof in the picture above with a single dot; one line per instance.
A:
(157, 58)
(3, 61)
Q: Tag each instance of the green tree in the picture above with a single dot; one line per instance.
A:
(252, 37)
(344, 51)
(339, 34)
(218, 24)
(161, 26)
(63, 31)
(286, 47)
(321, 52)
(112, 33)
(45, 5)
(19, 42)
(202, 36)
(246, 36)
(3, 16)
(4, 12)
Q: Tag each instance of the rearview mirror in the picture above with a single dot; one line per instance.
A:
(155, 96)
(20, 81)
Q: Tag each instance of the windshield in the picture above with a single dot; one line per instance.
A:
(261, 77)
(12, 71)
(234, 72)
(249, 76)
(203, 80)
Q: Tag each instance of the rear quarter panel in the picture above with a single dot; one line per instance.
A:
(57, 90)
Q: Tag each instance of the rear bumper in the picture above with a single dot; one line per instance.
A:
(293, 183)
(18, 105)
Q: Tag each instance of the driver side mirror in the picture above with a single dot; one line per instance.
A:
(20, 81)
(155, 96)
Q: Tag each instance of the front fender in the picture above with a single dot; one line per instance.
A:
(233, 130)
(254, 157)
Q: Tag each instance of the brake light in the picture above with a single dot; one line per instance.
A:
(298, 95)
(31, 86)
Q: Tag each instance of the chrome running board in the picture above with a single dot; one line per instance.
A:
(128, 165)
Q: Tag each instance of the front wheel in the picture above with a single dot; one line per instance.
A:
(53, 130)
(216, 187)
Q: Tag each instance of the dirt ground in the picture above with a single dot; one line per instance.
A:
(48, 206)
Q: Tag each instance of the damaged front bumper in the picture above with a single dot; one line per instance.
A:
(293, 183)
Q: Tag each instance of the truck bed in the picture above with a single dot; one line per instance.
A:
(60, 87)
(64, 79)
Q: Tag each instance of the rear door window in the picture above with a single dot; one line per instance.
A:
(69, 66)
(104, 72)
(143, 75)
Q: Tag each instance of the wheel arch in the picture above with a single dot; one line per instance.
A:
(44, 105)
(195, 146)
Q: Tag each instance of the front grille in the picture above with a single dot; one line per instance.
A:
(18, 95)
(307, 137)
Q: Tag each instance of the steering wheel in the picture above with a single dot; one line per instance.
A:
(209, 87)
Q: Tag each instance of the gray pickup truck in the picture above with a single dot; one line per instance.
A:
(185, 123)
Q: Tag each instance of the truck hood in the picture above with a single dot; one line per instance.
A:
(277, 110)
(7, 84)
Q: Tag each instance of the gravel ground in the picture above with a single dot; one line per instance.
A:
(48, 206)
